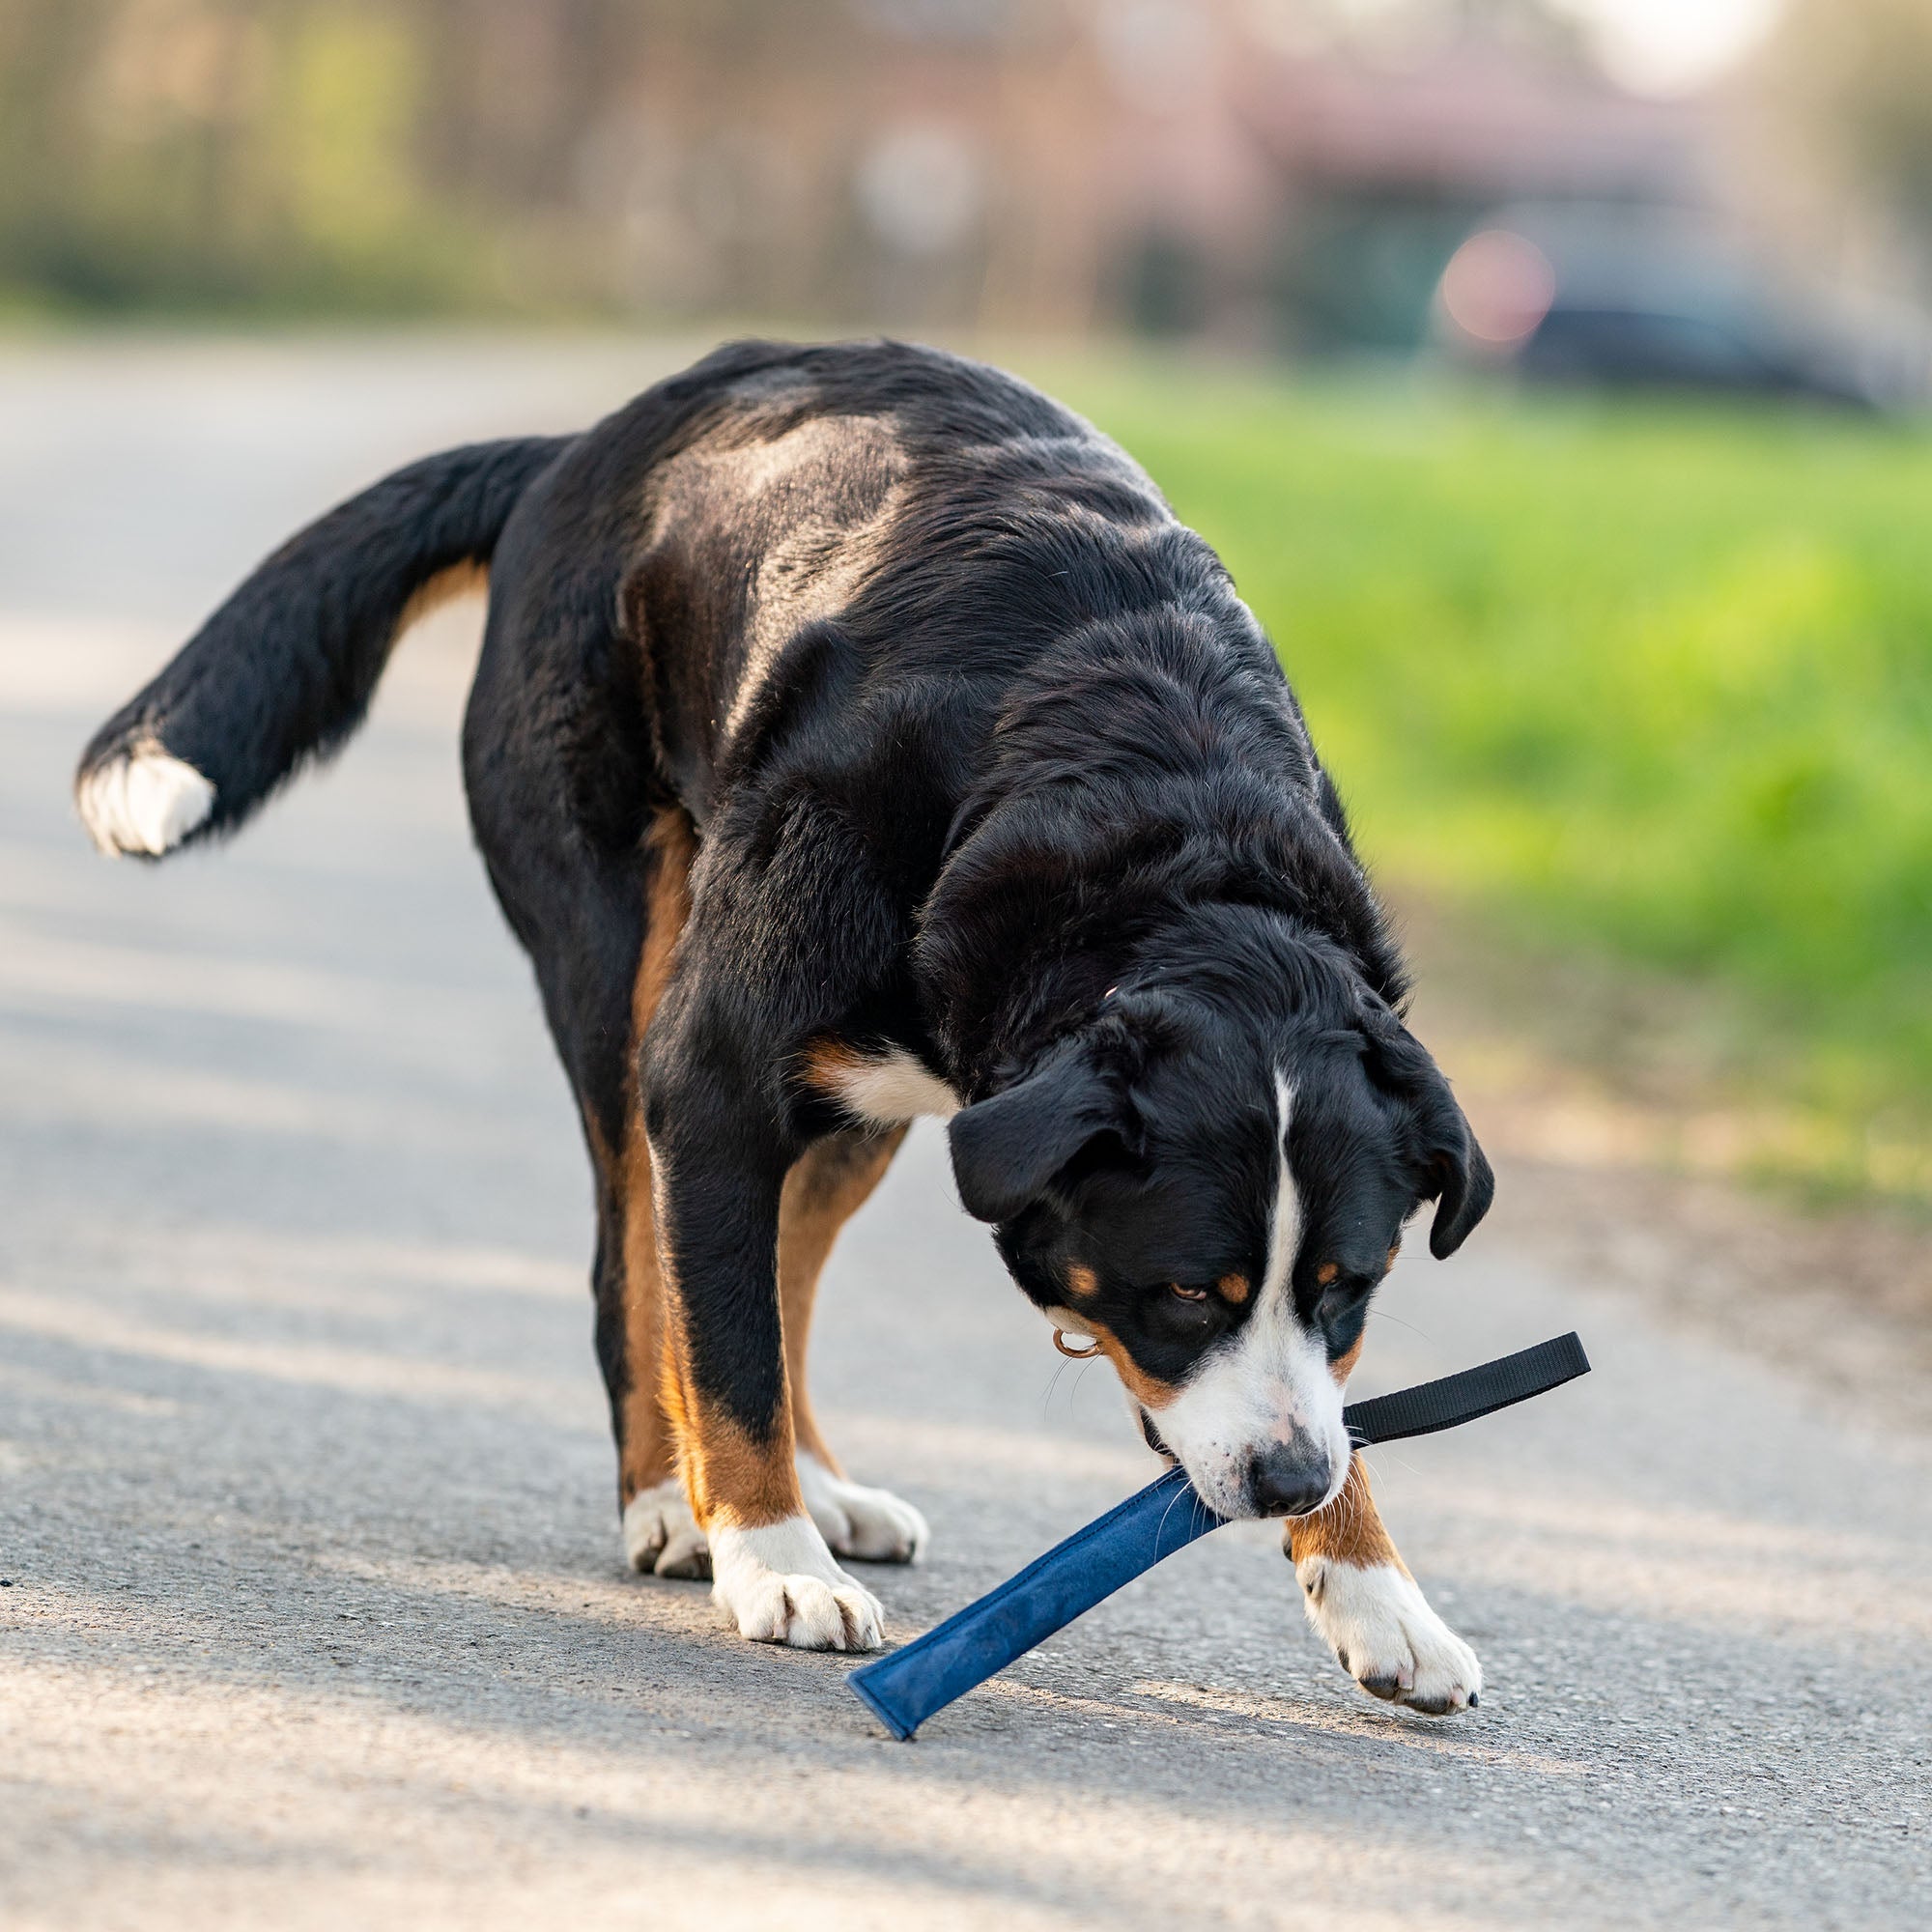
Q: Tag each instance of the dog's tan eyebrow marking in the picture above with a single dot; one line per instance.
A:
(1235, 1288)
(1081, 1280)
(1327, 1272)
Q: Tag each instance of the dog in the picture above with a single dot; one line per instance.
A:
(857, 735)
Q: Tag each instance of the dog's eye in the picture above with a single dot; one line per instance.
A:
(1186, 1293)
(1342, 1290)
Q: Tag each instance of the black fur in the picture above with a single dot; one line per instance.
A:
(285, 670)
(986, 761)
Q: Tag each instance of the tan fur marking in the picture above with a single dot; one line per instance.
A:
(649, 1452)
(673, 845)
(1327, 1272)
(1147, 1390)
(826, 1187)
(733, 1482)
(1343, 1366)
(1235, 1288)
(828, 1063)
(1081, 1281)
(648, 1428)
(460, 580)
(1349, 1530)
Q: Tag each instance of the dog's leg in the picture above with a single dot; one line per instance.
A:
(829, 1184)
(788, 931)
(601, 937)
(718, 1195)
(1361, 1599)
(661, 1534)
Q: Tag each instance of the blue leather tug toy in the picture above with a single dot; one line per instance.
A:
(906, 1687)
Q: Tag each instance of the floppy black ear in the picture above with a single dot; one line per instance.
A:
(1464, 1182)
(1006, 1149)
(1456, 1172)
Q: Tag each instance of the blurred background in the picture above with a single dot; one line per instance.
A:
(1551, 373)
(1735, 192)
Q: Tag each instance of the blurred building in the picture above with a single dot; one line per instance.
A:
(1175, 165)
(1268, 173)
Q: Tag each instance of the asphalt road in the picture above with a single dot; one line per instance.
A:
(314, 1612)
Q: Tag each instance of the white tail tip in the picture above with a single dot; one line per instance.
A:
(146, 800)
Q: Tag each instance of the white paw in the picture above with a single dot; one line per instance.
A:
(1385, 1636)
(871, 1524)
(143, 800)
(779, 1585)
(661, 1535)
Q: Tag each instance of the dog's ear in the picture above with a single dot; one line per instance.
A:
(1008, 1148)
(1465, 1184)
(1454, 1173)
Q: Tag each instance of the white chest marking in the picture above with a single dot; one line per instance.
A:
(892, 1087)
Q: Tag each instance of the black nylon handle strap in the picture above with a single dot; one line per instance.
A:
(1462, 1397)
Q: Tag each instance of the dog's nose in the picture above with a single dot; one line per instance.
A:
(1288, 1479)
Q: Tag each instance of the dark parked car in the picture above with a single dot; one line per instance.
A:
(1641, 296)
(1656, 348)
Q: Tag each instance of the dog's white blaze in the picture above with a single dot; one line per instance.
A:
(779, 1584)
(1270, 1384)
(1285, 1225)
(146, 800)
(895, 1086)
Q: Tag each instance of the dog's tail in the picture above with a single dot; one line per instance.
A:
(285, 670)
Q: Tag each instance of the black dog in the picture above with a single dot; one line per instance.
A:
(857, 735)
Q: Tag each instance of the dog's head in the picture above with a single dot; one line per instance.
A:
(1209, 1178)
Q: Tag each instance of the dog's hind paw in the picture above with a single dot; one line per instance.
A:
(870, 1525)
(778, 1584)
(1387, 1638)
(661, 1535)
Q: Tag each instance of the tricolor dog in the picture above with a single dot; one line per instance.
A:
(857, 735)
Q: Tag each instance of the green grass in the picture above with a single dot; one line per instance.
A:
(1645, 680)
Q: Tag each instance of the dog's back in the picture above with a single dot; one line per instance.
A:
(949, 518)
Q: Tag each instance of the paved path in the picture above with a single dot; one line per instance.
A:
(314, 1614)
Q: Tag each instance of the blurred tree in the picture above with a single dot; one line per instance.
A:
(418, 154)
(1857, 74)
(275, 154)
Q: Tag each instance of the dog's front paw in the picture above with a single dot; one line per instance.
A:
(1387, 1638)
(779, 1585)
(873, 1526)
(661, 1535)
